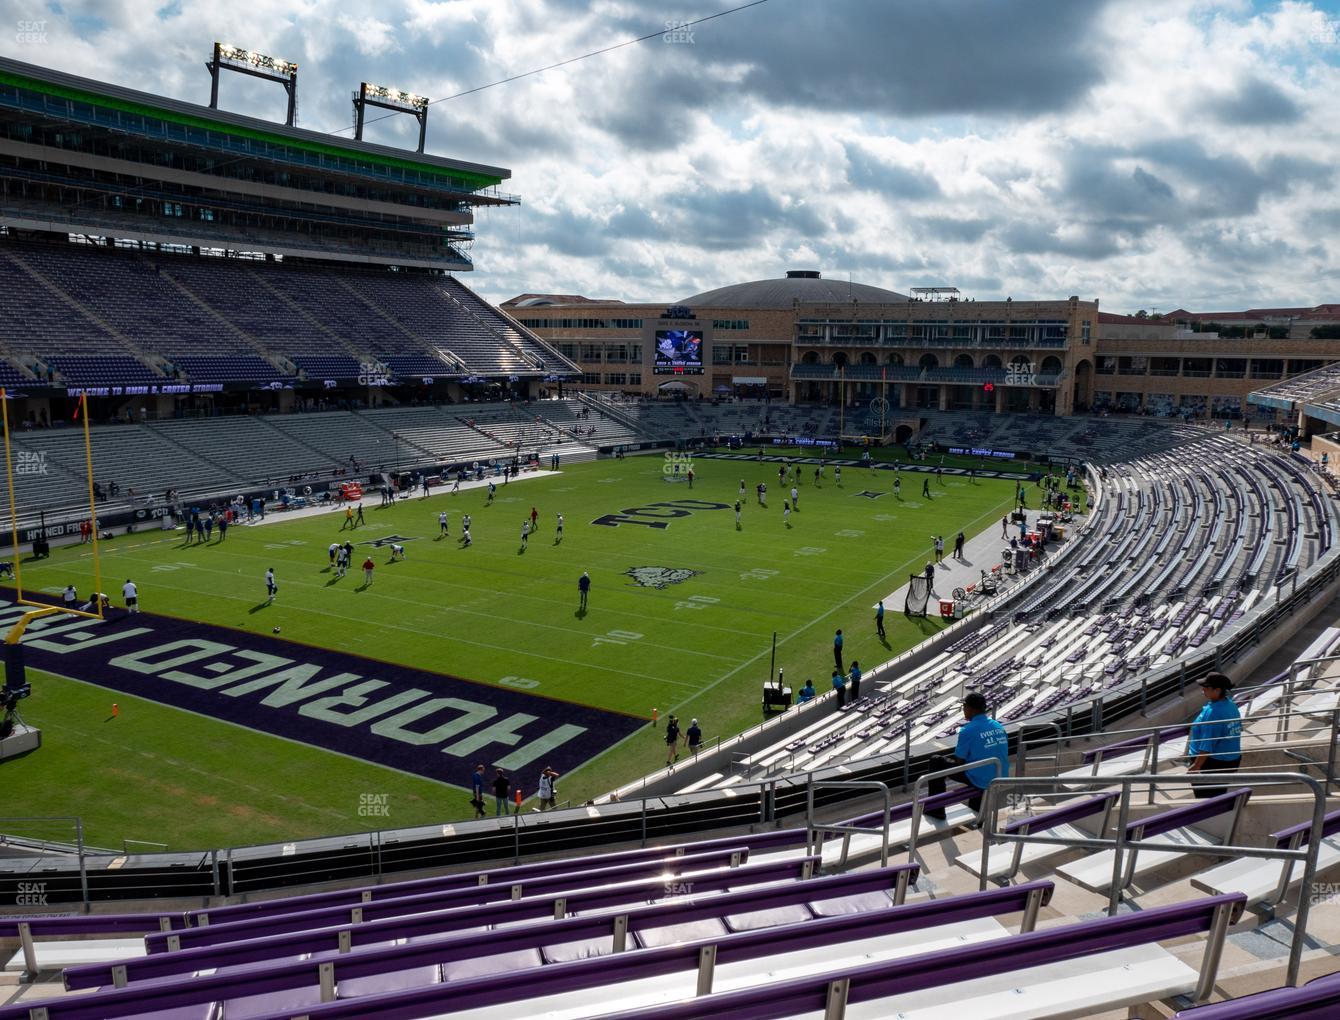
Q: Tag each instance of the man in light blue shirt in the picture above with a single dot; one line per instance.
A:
(840, 685)
(1215, 743)
(980, 738)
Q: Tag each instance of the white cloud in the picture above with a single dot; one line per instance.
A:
(1142, 151)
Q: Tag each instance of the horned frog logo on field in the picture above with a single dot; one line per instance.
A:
(660, 577)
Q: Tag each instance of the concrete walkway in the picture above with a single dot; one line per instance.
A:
(982, 551)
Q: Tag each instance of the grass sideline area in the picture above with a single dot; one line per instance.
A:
(496, 614)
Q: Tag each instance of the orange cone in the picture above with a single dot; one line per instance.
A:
(518, 800)
(116, 711)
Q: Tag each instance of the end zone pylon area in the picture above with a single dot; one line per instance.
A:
(41, 609)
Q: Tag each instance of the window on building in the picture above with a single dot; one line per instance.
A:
(591, 378)
(634, 378)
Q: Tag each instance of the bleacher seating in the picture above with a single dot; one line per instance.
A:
(243, 320)
(1180, 546)
(741, 926)
(1098, 439)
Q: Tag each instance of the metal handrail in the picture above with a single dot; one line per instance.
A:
(1000, 789)
(814, 831)
(918, 806)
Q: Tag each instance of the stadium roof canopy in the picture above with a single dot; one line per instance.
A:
(805, 286)
(104, 96)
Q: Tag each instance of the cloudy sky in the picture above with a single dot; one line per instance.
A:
(1148, 153)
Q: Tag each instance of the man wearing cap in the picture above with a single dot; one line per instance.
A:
(694, 737)
(979, 739)
(1215, 744)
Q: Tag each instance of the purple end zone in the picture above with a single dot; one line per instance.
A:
(431, 724)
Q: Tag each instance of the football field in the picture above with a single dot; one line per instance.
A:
(213, 751)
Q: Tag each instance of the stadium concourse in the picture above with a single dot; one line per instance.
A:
(764, 880)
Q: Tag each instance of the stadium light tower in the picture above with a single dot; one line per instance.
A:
(258, 65)
(389, 99)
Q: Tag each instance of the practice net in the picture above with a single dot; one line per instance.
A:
(918, 595)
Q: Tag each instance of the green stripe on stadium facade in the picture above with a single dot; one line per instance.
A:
(467, 177)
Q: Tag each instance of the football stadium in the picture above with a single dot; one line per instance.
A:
(797, 648)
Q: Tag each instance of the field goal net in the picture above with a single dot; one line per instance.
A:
(918, 595)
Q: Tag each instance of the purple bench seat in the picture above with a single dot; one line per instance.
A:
(507, 875)
(1094, 871)
(810, 994)
(398, 906)
(1121, 747)
(1319, 999)
(876, 982)
(597, 907)
(463, 956)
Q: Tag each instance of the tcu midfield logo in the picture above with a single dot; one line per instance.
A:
(658, 515)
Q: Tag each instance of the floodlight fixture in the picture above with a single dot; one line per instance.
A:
(395, 100)
(227, 57)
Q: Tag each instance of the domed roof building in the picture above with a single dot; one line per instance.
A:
(806, 286)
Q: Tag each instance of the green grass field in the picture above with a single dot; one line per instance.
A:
(490, 613)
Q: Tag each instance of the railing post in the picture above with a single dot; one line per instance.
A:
(907, 754)
(1214, 948)
(83, 864)
(1155, 743)
(29, 952)
(1305, 892)
(1282, 731)
(1123, 816)
(1330, 754)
